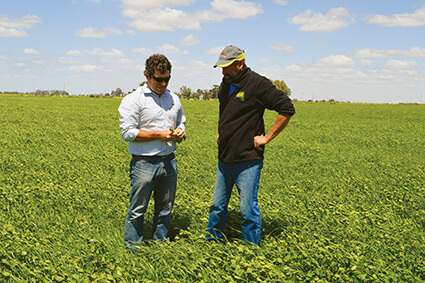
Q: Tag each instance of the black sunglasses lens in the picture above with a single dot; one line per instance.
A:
(160, 80)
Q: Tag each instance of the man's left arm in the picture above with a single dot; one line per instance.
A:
(279, 125)
(180, 131)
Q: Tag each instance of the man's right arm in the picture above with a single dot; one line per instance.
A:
(128, 118)
(146, 136)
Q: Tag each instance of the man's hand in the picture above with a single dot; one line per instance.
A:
(279, 125)
(259, 141)
(178, 134)
(167, 135)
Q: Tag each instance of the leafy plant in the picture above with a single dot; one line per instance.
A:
(342, 197)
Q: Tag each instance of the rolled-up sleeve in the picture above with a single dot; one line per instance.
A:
(128, 118)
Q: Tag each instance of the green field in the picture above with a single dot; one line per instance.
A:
(342, 196)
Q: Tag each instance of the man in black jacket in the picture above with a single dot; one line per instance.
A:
(244, 95)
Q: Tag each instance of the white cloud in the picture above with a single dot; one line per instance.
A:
(281, 2)
(31, 51)
(191, 72)
(37, 62)
(91, 32)
(336, 77)
(414, 52)
(215, 51)
(365, 63)
(75, 53)
(335, 19)
(3, 60)
(157, 16)
(14, 27)
(121, 63)
(189, 40)
(130, 32)
(99, 60)
(142, 51)
(112, 31)
(25, 22)
(149, 4)
(86, 68)
(415, 19)
(69, 60)
(282, 47)
(401, 65)
(164, 20)
(95, 1)
(374, 53)
(265, 60)
(336, 61)
(170, 49)
(98, 52)
(112, 53)
(11, 32)
(230, 9)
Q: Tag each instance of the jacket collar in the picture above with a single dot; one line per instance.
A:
(239, 76)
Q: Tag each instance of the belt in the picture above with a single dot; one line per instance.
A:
(156, 157)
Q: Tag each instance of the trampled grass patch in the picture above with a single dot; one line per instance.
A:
(342, 197)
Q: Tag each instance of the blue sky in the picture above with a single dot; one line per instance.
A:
(354, 50)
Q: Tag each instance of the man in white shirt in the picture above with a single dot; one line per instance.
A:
(152, 121)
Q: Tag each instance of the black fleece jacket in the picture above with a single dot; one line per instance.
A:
(241, 114)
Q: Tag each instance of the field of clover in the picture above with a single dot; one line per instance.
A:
(342, 197)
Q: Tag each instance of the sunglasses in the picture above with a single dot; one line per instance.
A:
(160, 80)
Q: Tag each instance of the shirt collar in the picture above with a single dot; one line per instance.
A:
(147, 90)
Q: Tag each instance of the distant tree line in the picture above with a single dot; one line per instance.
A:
(184, 92)
(187, 93)
(39, 92)
(51, 92)
(205, 94)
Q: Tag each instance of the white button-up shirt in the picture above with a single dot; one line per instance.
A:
(145, 110)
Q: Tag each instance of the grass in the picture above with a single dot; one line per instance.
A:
(342, 197)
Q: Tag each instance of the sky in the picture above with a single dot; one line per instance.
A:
(346, 50)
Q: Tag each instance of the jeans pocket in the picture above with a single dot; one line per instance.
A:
(143, 160)
(139, 159)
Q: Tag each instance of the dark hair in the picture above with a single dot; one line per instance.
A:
(157, 62)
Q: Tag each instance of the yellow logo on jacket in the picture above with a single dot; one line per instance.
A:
(241, 95)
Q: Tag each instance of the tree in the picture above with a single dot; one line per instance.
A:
(206, 94)
(141, 84)
(212, 93)
(51, 92)
(282, 86)
(198, 94)
(117, 92)
(185, 92)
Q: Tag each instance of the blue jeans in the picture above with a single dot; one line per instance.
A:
(150, 174)
(246, 177)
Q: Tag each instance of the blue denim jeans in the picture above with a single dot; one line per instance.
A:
(246, 177)
(150, 174)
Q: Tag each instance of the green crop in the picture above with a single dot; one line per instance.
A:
(342, 197)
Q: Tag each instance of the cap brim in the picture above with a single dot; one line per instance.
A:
(224, 63)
